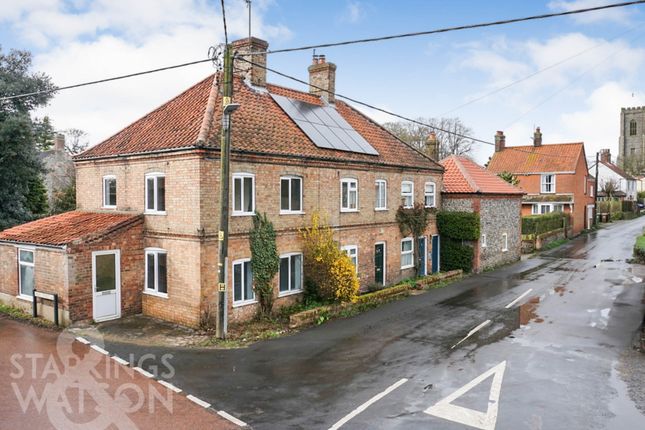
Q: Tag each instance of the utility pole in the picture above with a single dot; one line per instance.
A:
(595, 194)
(228, 107)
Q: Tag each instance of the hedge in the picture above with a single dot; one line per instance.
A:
(455, 255)
(538, 224)
(607, 206)
(629, 206)
(458, 225)
(639, 249)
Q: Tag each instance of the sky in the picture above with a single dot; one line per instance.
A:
(574, 73)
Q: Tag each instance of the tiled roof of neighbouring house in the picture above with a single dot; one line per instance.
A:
(260, 127)
(66, 228)
(617, 170)
(463, 175)
(551, 158)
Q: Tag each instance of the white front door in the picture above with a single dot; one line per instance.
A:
(106, 284)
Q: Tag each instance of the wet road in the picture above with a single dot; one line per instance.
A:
(554, 352)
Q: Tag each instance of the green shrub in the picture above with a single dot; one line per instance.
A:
(458, 225)
(616, 216)
(455, 255)
(538, 224)
(264, 260)
(628, 206)
(639, 249)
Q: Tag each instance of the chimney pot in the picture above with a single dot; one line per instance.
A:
(256, 74)
(59, 142)
(537, 137)
(605, 155)
(432, 146)
(500, 141)
(322, 79)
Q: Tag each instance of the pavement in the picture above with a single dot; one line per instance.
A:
(541, 344)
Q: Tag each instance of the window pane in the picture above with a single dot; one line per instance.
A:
(284, 194)
(26, 280)
(406, 187)
(353, 199)
(344, 195)
(26, 256)
(111, 190)
(296, 193)
(237, 197)
(406, 245)
(296, 272)
(150, 270)
(162, 282)
(284, 274)
(248, 281)
(161, 193)
(237, 282)
(105, 272)
(248, 194)
(150, 194)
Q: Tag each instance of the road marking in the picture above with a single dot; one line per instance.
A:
(367, 404)
(143, 372)
(231, 418)
(472, 332)
(83, 340)
(200, 402)
(470, 417)
(120, 360)
(170, 386)
(519, 298)
(99, 349)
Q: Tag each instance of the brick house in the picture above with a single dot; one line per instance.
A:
(468, 187)
(555, 177)
(164, 168)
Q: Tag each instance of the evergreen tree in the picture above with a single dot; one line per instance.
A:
(43, 133)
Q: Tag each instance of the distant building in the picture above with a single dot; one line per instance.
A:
(632, 134)
(608, 171)
(59, 168)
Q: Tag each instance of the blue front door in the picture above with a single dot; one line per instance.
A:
(435, 253)
(424, 256)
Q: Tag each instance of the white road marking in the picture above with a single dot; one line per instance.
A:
(637, 279)
(143, 372)
(83, 340)
(231, 418)
(519, 298)
(120, 360)
(470, 417)
(99, 349)
(367, 404)
(472, 332)
(200, 402)
(170, 386)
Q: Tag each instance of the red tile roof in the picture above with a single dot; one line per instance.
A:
(551, 158)
(260, 126)
(66, 228)
(463, 175)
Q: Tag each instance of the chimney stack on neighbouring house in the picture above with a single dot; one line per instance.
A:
(322, 78)
(432, 146)
(537, 137)
(605, 155)
(500, 141)
(59, 142)
(256, 74)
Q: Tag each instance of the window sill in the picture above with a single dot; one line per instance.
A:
(243, 214)
(244, 303)
(149, 212)
(407, 267)
(290, 293)
(113, 208)
(504, 250)
(156, 294)
(25, 298)
(349, 211)
(380, 209)
(291, 212)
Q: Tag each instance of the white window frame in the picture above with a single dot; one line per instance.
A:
(591, 190)
(410, 252)
(155, 210)
(106, 204)
(288, 211)
(241, 176)
(349, 182)
(244, 301)
(26, 264)
(427, 194)
(483, 240)
(407, 194)
(349, 250)
(381, 185)
(504, 242)
(543, 183)
(299, 288)
(155, 291)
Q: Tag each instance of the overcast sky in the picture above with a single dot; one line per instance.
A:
(594, 62)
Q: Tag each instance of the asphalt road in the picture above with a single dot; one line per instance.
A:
(554, 354)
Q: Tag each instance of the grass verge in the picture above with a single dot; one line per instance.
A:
(20, 315)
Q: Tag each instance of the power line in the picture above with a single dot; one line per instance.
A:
(450, 29)
(224, 20)
(100, 81)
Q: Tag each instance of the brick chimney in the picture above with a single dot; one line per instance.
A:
(500, 141)
(257, 75)
(322, 79)
(537, 137)
(605, 155)
(59, 142)
(432, 146)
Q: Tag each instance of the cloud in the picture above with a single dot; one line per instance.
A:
(353, 12)
(620, 15)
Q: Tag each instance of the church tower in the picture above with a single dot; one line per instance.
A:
(631, 145)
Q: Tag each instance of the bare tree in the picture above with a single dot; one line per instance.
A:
(75, 141)
(610, 187)
(450, 134)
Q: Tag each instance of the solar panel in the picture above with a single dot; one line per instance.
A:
(324, 126)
